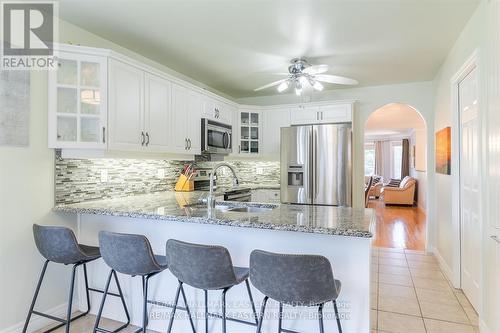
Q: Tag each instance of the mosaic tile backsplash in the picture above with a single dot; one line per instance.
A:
(78, 180)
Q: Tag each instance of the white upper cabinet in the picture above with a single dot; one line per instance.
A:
(140, 109)
(157, 117)
(216, 110)
(126, 107)
(186, 120)
(333, 113)
(304, 115)
(195, 107)
(77, 97)
(249, 132)
(336, 113)
(273, 121)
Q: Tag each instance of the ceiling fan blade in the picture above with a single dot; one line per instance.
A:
(316, 69)
(335, 79)
(272, 84)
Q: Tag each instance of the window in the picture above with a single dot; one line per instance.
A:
(369, 159)
(397, 157)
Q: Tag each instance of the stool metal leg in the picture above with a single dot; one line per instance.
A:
(206, 311)
(172, 314)
(70, 300)
(224, 310)
(35, 296)
(320, 317)
(337, 316)
(262, 312)
(87, 290)
(280, 317)
(256, 317)
(112, 274)
(145, 283)
(187, 309)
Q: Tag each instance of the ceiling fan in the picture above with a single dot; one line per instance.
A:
(302, 74)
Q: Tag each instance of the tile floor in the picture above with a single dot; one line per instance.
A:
(410, 294)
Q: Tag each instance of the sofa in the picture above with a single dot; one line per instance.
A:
(402, 195)
(376, 187)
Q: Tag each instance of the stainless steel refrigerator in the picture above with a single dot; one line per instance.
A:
(316, 164)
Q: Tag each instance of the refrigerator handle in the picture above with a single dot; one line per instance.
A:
(314, 163)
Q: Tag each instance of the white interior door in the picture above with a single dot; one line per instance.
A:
(470, 188)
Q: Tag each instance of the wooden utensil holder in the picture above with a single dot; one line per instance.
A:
(184, 184)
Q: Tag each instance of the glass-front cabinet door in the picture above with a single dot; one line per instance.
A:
(249, 132)
(77, 102)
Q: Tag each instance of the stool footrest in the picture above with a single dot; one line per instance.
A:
(102, 330)
(62, 321)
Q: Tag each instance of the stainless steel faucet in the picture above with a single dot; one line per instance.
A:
(211, 197)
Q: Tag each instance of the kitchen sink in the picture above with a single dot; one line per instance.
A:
(250, 209)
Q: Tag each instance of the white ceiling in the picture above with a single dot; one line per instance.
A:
(234, 46)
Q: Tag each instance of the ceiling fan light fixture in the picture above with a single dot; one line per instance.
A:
(298, 88)
(283, 86)
(317, 85)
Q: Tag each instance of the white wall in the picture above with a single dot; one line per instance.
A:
(368, 99)
(419, 139)
(469, 40)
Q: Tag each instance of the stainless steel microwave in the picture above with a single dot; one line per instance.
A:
(216, 138)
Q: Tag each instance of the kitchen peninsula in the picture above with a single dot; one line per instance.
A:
(340, 234)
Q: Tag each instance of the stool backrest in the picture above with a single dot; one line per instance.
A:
(201, 266)
(57, 244)
(127, 253)
(291, 278)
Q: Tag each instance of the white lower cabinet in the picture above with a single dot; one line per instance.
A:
(266, 196)
(186, 120)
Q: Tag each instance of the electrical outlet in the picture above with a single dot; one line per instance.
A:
(160, 173)
(104, 176)
(259, 171)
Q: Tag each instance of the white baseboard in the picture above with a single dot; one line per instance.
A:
(38, 322)
(483, 328)
(444, 266)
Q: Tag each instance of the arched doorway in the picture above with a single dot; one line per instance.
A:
(395, 146)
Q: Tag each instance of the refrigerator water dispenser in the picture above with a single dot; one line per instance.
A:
(296, 175)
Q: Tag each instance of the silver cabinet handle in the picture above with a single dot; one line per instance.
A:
(143, 138)
(147, 136)
(189, 144)
(185, 144)
(495, 238)
(103, 134)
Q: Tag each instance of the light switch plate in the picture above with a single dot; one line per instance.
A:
(104, 176)
(160, 173)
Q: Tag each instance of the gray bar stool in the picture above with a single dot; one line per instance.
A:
(130, 255)
(297, 280)
(59, 245)
(205, 267)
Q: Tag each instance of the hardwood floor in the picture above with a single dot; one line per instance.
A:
(399, 226)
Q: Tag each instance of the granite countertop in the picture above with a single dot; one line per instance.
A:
(186, 207)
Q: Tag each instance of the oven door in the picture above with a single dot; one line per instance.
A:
(217, 137)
